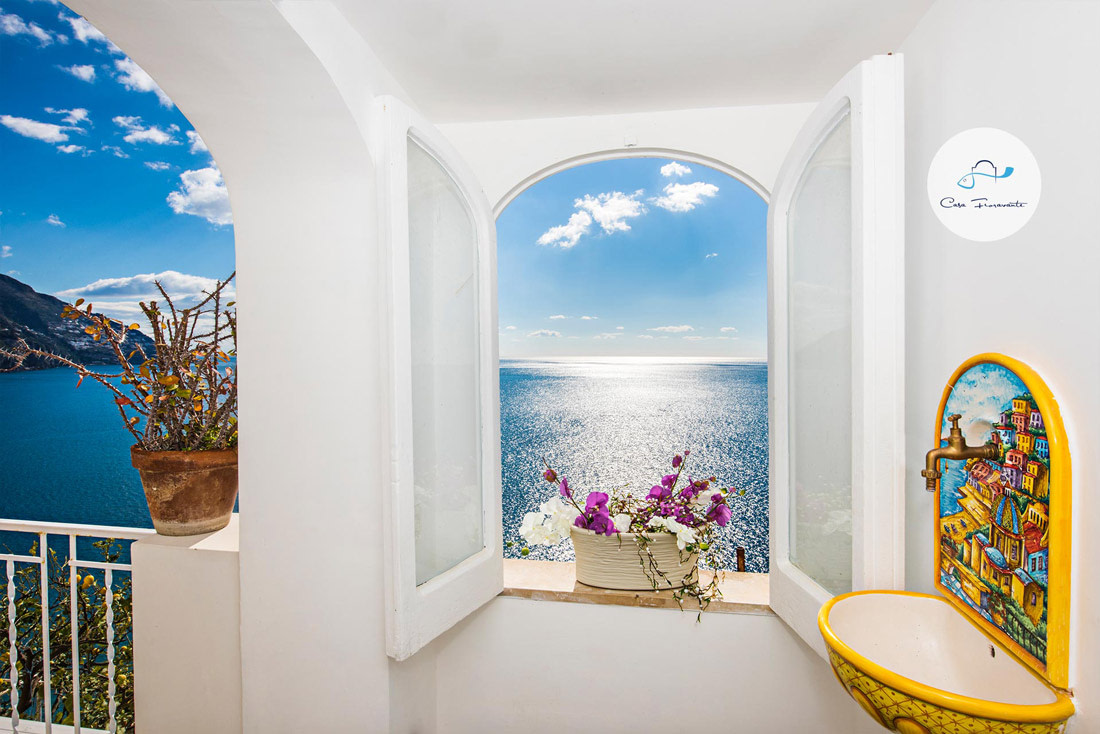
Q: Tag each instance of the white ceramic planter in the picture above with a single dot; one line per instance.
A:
(613, 562)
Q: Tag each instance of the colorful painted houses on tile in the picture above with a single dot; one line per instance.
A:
(994, 551)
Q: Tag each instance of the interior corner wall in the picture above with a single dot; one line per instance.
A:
(549, 667)
(1029, 68)
(301, 185)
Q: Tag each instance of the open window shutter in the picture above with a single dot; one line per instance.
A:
(836, 340)
(443, 526)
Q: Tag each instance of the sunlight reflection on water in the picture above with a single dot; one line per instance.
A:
(610, 424)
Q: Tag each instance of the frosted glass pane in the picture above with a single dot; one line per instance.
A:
(820, 256)
(443, 276)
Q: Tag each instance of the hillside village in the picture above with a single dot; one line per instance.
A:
(994, 551)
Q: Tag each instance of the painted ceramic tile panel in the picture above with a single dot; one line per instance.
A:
(994, 514)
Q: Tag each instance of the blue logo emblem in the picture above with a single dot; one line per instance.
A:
(988, 170)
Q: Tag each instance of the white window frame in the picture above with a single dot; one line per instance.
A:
(415, 615)
(874, 91)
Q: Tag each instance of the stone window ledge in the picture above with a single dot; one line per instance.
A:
(742, 593)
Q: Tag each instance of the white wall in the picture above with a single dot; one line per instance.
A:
(751, 139)
(1030, 68)
(301, 184)
(546, 667)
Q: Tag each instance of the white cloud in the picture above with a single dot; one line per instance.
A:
(14, 272)
(729, 329)
(202, 193)
(47, 132)
(84, 72)
(137, 132)
(55, 221)
(693, 338)
(673, 329)
(83, 31)
(13, 25)
(558, 316)
(119, 297)
(675, 169)
(116, 151)
(685, 197)
(142, 286)
(198, 145)
(710, 255)
(608, 335)
(70, 148)
(74, 116)
(566, 235)
(509, 328)
(134, 78)
(645, 336)
(5, 251)
(157, 165)
(545, 332)
(620, 328)
(589, 318)
(611, 210)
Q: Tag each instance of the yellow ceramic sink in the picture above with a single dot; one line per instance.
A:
(919, 667)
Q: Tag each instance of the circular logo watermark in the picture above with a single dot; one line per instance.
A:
(984, 184)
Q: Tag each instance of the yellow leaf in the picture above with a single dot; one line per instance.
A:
(134, 327)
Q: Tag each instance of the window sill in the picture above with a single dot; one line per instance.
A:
(742, 593)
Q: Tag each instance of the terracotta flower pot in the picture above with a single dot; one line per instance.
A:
(188, 492)
(607, 562)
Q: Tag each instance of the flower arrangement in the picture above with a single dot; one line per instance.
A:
(690, 509)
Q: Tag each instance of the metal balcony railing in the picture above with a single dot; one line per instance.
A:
(60, 666)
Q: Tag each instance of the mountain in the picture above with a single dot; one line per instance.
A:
(36, 317)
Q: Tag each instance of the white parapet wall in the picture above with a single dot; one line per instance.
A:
(187, 639)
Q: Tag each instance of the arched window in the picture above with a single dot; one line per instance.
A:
(633, 326)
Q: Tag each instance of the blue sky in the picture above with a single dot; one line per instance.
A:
(641, 257)
(105, 183)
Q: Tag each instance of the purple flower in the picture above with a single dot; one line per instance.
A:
(676, 461)
(668, 480)
(687, 452)
(720, 513)
(550, 475)
(601, 523)
(564, 489)
(659, 493)
(596, 501)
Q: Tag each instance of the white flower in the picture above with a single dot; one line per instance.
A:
(622, 522)
(530, 520)
(560, 520)
(704, 497)
(684, 535)
(656, 522)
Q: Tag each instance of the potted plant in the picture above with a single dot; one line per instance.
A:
(179, 403)
(627, 542)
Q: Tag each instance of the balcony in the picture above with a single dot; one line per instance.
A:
(92, 614)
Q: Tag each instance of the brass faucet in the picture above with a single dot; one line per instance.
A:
(955, 450)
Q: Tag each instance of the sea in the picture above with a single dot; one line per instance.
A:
(604, 424)
(616, 424)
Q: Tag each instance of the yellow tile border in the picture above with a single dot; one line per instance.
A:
(742, 593)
